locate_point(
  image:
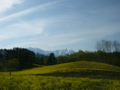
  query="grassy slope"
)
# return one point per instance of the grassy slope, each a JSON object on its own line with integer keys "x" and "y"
{"x": 70, "y": 67}
{"x": 81, "y": 68}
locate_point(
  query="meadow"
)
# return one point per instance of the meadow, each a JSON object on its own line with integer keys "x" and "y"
{"x": 81, "y": 75}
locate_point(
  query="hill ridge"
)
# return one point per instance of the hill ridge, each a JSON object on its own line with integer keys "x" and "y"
{"x": 70, "y": 66}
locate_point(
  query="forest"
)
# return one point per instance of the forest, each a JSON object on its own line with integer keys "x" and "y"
{"x": 20, "y": 58}
{"x": 16, "y": 58}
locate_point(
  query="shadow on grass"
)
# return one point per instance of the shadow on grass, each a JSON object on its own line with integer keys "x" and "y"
{"x": 88, "y": 74}
{"x": 28, "y": 67}
{"x": 21, "y": 68}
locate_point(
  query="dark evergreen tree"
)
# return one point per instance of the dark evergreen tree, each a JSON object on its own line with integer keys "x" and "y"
{"x": 52, "y": 59}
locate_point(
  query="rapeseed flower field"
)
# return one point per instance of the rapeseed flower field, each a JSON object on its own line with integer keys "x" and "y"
{"x": 32, "y": 82}
{"x": 80, "y": 75}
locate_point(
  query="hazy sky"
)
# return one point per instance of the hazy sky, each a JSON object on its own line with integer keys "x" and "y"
{"x": 58, "y": 24}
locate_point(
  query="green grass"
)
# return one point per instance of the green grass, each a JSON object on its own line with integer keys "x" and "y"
{"x": 69, "y": 66}
{"x": 81, "y": 75}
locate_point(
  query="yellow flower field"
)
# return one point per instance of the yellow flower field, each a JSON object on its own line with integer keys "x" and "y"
{"x": 58, "y": 77}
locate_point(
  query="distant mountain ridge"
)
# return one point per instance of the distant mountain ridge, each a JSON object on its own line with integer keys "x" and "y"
{"x": 56, "y": 52}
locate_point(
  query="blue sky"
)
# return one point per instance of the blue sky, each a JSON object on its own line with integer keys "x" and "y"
{"x": 58, "y": 24}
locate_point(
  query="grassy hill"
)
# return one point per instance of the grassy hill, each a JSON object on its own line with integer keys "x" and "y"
{"x": 80, "y": 75}
{"x": 79, "y": 68}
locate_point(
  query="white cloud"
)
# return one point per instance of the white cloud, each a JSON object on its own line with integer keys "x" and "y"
{"x": 27, "y": 11}
{"x": 8, "y": 4}
{"x": 21, "y": 29}
{"x": 2, "y": 37}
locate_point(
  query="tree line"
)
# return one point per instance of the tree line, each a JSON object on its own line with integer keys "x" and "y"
{"x": 107, "y": 52}
{"x": 19, "y": 58}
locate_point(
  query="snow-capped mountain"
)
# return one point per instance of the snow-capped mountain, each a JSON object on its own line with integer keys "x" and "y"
{"x": 56, "y": 52}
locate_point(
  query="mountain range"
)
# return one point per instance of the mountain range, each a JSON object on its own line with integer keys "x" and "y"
{"x": 57, "y": 53}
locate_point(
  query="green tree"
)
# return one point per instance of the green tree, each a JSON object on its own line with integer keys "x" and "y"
{"x": 5, "y": 63}
{"x": 46, "y": 61}
{"x": 15, "y": 63}
{"x": 1, "y": 65}
{"x": 11, "y": 63}
{"x": 60, "y": 59}
{"x": 52, "y": 59}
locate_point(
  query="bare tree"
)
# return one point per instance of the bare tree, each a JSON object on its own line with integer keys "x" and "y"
{"x": 108, "y": 46}
{"x": 116, "y": 46}
{"x": 98, "y": 46}
{"x": 104, "y": 46}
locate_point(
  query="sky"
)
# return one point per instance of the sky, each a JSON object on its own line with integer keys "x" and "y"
{"x": 58, "y": 24}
